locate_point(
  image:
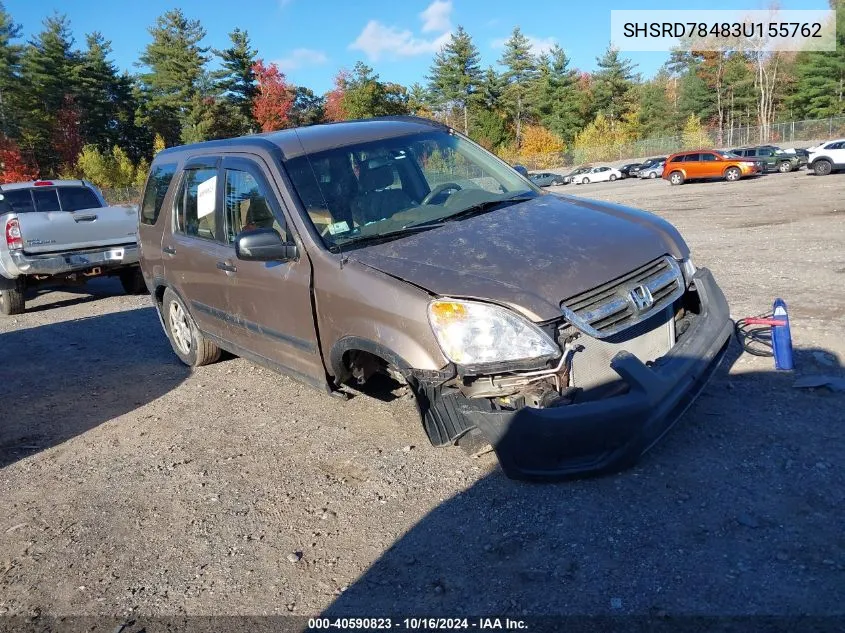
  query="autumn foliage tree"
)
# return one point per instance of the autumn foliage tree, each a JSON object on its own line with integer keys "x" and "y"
{"x": 334, "y": 98}
{"x": 67, "y": 140}
{"x": 13, "y": 168}
{"x": 273, "y": 101}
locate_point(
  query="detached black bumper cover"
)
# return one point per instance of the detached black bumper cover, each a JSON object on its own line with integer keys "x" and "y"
{"x": 610, "y": 434}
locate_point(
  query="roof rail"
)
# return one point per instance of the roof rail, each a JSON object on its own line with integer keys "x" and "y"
{"x": 410, "y": 118}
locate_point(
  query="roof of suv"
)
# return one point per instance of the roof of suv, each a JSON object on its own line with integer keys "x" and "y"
{"x": 295, "y": 142}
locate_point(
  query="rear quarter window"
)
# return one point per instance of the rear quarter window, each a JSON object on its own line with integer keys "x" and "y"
{"x": 78, "y": 198}
{"x": 157, "y": 185}
{"x": 16, "y": 201}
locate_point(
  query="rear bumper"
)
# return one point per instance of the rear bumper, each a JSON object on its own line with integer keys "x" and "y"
{"x": 610, "y": 434}
{"x": 59, "y": 263}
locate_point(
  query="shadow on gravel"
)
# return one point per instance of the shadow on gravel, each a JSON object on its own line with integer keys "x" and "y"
{"x": 738, "y": 511}
{"x": 93, "y": 290}
{"x": 64, "y": 378}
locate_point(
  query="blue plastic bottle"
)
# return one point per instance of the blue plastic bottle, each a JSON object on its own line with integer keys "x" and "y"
{"x": 781, "y": 337}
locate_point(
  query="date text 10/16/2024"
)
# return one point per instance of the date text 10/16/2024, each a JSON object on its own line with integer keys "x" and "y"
{"x": 417, "y": 624}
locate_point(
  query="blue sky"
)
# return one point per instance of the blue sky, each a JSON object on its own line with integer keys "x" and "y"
{"x": 311, "y": 39}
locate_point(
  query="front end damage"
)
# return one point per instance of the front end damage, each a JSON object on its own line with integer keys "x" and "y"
{"x": 623, "y": 378}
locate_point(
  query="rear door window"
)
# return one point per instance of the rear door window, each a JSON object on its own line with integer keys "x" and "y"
{"x": 77, "y": 198}
{"x": 195, "y": 207}
{"x": 157, "y": 185}
{"x": 692, "y": 158}
{"x": 46, "y": 200}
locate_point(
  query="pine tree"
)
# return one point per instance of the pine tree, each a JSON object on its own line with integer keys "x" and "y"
{"x": 49, "y": 68}
{"x": 456, "y": 74}
{"x": 491, "y": 89}
{"x": 558, "y": 95}
{"x": 820, "y": 85}
{"x": 175, "y": 61}
{"x": 10, "y": 58}
{"x": 520, "y": 73}
{"x": 99, "y": 92}
{"x": 236, "y": 79}
{"x": 612, "y": 84}
{"x": 655, "y": 110}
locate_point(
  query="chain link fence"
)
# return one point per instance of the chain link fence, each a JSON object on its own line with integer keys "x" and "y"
{"x": 122, "y": 195}
{"x": 784, "y": 134}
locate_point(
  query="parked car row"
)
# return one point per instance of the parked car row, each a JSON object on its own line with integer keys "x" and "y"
{"x": 729, "y": 164}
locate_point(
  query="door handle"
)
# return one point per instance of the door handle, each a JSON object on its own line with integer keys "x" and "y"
{"x": 168, "y": 250}
{"x": 227, "y": 267}
{"x": 84, "y": 218}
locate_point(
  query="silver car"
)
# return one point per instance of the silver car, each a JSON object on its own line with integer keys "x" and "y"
{"x": 652, "y": 171}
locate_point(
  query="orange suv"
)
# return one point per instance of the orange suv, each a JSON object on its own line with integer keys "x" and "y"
{"x": 701, "y": 164}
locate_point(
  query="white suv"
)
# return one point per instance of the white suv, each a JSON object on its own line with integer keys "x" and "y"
{"x": 827, "y": 157}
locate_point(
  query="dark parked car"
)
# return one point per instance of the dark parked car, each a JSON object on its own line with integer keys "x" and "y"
{"x": 546, "y": 179}
{"x": 627, "y": 168}
{"x": 649, "y": 162}
{"x": 570, "y": 334}
{"x": 771, "y": 158}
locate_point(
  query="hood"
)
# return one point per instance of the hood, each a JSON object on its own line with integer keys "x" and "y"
{"x": 530, "y": 255}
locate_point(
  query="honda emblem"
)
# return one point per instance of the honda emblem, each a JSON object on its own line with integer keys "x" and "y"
{"x": 640, "y": 298}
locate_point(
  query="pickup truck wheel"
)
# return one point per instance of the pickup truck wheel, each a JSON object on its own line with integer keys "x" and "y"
{"x": 12, "y": 301}
{"x": 187, "y": 341}
{"x": 785, "y": 168}
{"x": 133, "y": 281}
{"x": 822, "y": 167}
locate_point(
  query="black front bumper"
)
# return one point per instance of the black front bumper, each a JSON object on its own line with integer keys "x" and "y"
{"x": 611, "y": 434}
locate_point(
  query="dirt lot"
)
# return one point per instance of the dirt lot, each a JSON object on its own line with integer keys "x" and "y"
{"x": 131, "y": 485}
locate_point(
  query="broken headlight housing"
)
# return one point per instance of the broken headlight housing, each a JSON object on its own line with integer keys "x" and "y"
{"x": 475, "y": 333}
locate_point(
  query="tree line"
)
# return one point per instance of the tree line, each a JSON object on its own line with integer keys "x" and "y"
{"x": 67, "y": 110}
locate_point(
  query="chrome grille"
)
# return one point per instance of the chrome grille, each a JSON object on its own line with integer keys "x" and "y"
{"x": 612, "y": 307}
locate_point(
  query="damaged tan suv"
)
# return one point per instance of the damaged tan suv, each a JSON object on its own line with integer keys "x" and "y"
{"x": 569, "y": 334}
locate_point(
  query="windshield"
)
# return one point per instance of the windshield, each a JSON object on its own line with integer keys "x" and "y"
{"x": 364, "y": 191}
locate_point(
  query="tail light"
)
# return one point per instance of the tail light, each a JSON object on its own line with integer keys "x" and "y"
{"x": 43, "y": 183}
{"x": 14, "y": 240}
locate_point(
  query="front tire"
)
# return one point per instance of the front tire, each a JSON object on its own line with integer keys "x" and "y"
{"x": 187, "y": 341}
{"x": 133, "y": 281}
{"x": 12, "y": 301}
{"x": 785, "y": 168}
{"x": 676, "y": 178}
{"x": 585, "y": 181}
{"x": 612, "y": 177}
{"x": 732, "y": 174}
{"x": 822, "y": 167}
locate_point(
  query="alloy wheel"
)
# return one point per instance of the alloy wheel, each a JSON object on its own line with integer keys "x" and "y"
{"x": 180, "y": 327}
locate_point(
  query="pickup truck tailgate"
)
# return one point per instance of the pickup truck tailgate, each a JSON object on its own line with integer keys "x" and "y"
{"x": 53, "y": 231}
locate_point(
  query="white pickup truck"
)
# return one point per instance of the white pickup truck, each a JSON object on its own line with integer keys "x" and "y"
{"x": 62, "y": 231}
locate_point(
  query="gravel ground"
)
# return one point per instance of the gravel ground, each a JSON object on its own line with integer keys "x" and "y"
{"x": 130, "y": 485}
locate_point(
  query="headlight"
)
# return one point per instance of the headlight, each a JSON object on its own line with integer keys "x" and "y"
{"x": 473, "y": 333}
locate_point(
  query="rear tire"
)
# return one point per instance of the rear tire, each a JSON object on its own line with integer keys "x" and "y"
{"x": 612, "y": 177}
{"x": 822, "y": 167}
{"x": 676, "y": 178}
{"x": 12, "y": 301}
{"x": 133, "y": 281}
{"x": 187, "y": 341}
{"x": 732, "y": 174}
{"x": 653, "y": 175}
{"x": 785, "y": 168}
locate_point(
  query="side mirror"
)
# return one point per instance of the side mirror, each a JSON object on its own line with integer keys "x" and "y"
{"x": 264, "y": 245}
{"x": 521, "y": 169}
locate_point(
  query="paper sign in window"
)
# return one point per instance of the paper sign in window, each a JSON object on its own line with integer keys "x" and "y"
{"x": 205, "y": 197}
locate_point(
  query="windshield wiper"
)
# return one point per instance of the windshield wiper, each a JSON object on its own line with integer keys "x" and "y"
{"x": 381, "y": 237}
{"x": 484, "y": 207}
